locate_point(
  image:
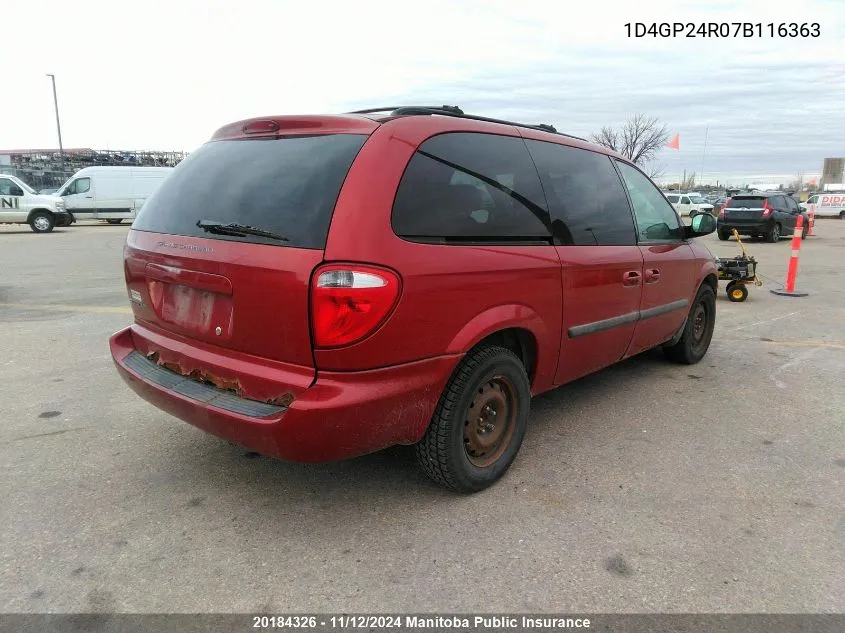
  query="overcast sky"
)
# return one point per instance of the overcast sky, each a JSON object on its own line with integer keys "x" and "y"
{"x": 164, "y": 75}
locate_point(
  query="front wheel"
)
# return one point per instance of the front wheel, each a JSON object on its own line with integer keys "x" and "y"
{"x": 479, "y": 422}
{"x": 737, "y": 292}
{"x": 698, "y": 331}
{"x": 41, "y": 222}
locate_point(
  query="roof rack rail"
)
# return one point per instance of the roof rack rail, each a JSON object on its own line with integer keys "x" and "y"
{"x": 455, "y": 111}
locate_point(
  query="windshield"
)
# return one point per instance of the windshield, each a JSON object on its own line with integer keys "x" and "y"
{"x": 751, "y": 202}
{"x": 276, "y": 187}
{"x": 25, "y": 186}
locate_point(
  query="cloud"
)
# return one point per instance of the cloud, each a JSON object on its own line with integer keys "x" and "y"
{"x": 165, "y": 75}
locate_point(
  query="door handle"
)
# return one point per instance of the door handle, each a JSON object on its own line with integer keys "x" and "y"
{"x": 652, "y": 275}
{"x": 89, "y": 197}
{"x": 631, "y": 278}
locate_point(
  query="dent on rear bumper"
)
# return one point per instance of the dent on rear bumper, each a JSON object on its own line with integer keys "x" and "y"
{"x": 342, "y": 415}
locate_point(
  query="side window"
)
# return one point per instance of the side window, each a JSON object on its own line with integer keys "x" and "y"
{"x": 685, "y": 200}
{"x": 586, "y": 198}
{"x": 82, "y": 185}
{"x": 9, "y": 188}
{"x": 673, "y": 199}
{"x": 469, "y": 186}
{"x": 656, "y": 220}
{"x": 779, "y": 203}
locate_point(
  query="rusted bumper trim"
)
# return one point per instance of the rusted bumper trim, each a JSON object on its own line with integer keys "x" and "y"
{"x": 201, "y": 392}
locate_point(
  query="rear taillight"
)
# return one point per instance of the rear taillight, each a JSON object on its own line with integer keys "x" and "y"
{"x": 724, "y": 207}
{"x": 348, "y": 302}
{"x": 767, "y": 208}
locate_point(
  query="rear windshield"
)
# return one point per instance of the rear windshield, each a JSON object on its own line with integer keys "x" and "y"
{"x": 755, "y": 202}
{"x": 288, "y": 186}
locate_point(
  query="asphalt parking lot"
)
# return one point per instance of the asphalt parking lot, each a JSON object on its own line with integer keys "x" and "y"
{"x": 648, "y": 487}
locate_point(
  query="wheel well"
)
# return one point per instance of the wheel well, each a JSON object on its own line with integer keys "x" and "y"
{"x": 712, "y": 281}
{"x": 521, "y": 342}
{"x": 34, "y": 211}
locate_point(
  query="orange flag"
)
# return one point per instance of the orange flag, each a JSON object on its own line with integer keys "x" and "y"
{"x": 675, "y": 143}
{"x": 812, "y": 181}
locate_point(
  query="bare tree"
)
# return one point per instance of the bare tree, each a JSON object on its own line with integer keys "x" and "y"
{"x": 797, "y": 183}
{"x": 689, "y": 183}
{"x": 639, "y": 139}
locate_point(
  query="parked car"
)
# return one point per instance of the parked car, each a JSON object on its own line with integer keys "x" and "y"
{"x": 826, "y": 205}
{"x": 768, "y": 215}
{"x": 687, "y": 205}
{"x": 110, "y": 193}
{"x": 410, "y": 276}
{"x": 20, "y": 204}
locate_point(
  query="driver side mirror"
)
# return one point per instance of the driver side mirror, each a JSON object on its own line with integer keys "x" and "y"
{"x": 702, "y": 224}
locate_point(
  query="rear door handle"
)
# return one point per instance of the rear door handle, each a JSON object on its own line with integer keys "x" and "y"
{"x": 652, "y": 275}
{"x": 631, "y": 278}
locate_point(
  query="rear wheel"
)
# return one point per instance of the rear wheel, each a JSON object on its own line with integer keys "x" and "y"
{"x": 724, "y": 235}
{"x": 805, "y": 230}
{"x": 698, "y": 331}
{"x": 842, "y": 215}
{"x": 479, "y": 422}
{"x": 41, "y": 222}
{"x": 774, "y": 234}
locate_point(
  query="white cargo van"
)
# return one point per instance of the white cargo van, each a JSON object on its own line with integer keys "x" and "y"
{"x": 831, "y": 205}
{"x": 20, "y": 204}
{"x": 110, "y": 193}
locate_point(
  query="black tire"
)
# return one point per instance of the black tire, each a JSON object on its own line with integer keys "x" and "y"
{"x": 41, "y": 222}
{"x": 698, "y": 331}
{"x": 842, "y": 215}
{"x": 692, "y": 214}
{"x": 490, "y": 379}
{"x": 804, "y": 230}
{"x": 724, "y": 236}
{"x": 114, "y": 221}
{"x": 774, "y": 234}
{"x": 736, "y": 292}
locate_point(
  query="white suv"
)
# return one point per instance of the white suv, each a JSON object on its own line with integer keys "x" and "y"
{"x": 21, "y": 204}
{"x": 689, "y": 204}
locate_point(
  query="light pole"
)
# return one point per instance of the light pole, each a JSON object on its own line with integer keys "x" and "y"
{"x": 58, "y": 125}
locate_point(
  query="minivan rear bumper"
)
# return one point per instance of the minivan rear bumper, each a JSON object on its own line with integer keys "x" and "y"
{"x": 342, "y": 415}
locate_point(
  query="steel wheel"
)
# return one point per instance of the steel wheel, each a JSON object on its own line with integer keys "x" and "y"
{"x": 41, "y": 223}
{"x": 490, "y": 422}
{"x": 480, "y": 421}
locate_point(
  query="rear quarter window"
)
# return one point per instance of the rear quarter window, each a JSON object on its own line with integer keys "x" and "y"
{"x": 288, "y": 186}
{"x": 471, "y": 187}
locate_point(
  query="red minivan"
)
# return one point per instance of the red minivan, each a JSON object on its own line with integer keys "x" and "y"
{"x": 319, "y": 287}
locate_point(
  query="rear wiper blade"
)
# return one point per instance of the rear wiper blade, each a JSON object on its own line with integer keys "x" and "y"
{"x": 235, "y": 228}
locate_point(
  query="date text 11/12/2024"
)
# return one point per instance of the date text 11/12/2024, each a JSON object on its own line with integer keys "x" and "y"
{"x": 723, "y": 29}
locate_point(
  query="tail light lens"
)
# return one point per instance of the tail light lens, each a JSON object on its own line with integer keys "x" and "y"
{"x": 349, "y": 302}
{"x": 767, "y": 208}
{"x": 724, "y": 207}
